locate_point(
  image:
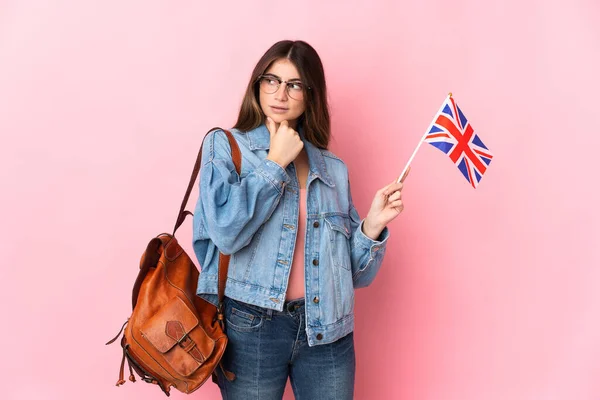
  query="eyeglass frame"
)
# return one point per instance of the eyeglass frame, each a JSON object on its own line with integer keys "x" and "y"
{"x": 278, "y": 79}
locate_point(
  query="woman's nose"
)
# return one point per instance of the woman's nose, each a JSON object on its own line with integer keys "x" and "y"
{"x": 281, "y": 93}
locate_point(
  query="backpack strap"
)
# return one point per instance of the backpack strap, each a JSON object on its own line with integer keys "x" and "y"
{"x": 236, "y": 156}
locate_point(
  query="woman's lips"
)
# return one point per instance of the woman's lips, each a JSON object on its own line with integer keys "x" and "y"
{"x": 279, "y": 110}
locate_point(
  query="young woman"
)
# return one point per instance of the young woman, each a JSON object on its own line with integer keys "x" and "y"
{"x": 298, "y": 246}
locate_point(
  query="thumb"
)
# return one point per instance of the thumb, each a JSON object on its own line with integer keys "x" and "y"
{"x": 271, "y": 126}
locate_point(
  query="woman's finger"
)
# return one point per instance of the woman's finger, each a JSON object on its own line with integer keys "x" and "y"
{"x": 391, "y": 188}
{"x": 395, "y": 196}
{"x": 396, "y": 204}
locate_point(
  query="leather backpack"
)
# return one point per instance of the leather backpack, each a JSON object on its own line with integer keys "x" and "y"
{"x": 173, "y": 337}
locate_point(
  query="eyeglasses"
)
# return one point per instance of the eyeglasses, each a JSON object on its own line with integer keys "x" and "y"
{"x": 270, "y": 84}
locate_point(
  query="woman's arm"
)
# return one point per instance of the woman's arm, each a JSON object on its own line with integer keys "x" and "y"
{"x": 369, "y": 237}
{"x": 229, "y": 210}
{"x": 366, "y": 253}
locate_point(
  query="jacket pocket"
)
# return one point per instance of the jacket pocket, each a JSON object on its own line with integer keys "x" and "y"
{"x": 339, "y": 235}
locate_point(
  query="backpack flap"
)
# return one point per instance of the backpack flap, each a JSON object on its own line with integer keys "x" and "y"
{"x": 175, "y": 333}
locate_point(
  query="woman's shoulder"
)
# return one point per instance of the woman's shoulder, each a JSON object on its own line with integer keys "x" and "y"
{"x": 335, "y": 166}
{"x": 218, "y": 140}
{"x": 216, "y": 144}
{"x": 329, "y": 154}
{"x": 218, "y": 133}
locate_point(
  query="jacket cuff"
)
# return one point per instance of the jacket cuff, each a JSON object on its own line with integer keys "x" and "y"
{"x": 374, "y": 246}
{"x": 274, "y": 173}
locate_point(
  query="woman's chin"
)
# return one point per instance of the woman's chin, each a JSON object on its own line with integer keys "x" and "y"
{"x": 279, "y": 118}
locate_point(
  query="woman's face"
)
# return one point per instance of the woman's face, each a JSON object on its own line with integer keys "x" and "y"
{"x": 283, "y": 103}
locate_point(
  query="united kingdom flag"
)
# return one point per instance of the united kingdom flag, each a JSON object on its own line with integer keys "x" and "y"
{"x": 452, "y": 133}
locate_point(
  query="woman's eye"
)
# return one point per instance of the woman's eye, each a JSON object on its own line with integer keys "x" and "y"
{"x": 296, "y": 86}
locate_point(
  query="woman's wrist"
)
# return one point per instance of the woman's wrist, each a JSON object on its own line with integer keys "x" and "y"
{"x": 282, "y": 165}
{"x": 371, "y": 230}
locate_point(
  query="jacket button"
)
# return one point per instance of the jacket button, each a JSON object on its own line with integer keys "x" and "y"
{"x": 315, "y": 262}
{"x": 319, "y": 336}
{"x": 316, "y": 224}
{"x": 316, "y": 300}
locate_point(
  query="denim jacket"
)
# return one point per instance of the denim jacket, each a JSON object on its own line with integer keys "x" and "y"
{"x": 254, "y": 217}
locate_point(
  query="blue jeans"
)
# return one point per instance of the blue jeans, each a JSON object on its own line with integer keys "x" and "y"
{"x": 266, "y": 346}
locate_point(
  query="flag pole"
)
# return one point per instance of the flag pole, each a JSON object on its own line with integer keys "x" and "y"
{"x": 407, "y": 166}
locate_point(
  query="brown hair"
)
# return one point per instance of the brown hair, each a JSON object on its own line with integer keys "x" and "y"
{"x": 315, "y": 119}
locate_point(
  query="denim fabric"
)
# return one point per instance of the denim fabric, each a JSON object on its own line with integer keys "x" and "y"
{"x": 267, "y": 346}
{"x": 254, "y": 217}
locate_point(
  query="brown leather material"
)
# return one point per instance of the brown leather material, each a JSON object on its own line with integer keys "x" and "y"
{"x": 229, "y": 375}
{"x": 175, "y": 330}
{"x": 174, "y": 338}
{"x": 223, "y": 260}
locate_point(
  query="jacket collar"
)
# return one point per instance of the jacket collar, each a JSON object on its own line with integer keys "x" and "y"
{"x": 260, "y": 139}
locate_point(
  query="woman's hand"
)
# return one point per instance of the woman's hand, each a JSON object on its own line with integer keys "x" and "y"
{"x": 386, "y": 206}
{"x": 285, "y": 143}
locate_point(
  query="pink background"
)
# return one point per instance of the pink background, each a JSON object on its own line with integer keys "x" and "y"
{"x": 484, "y": 294}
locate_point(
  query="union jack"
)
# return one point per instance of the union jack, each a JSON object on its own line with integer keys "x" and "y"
{"x": 452, "y": 133}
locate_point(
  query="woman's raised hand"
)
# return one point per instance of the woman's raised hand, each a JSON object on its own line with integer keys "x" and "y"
{"x": 387, "y": 205}
{"x": 285, "y": 143}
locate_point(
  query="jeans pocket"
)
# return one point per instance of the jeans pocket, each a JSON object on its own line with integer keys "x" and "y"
{"x": 241, "y": 318}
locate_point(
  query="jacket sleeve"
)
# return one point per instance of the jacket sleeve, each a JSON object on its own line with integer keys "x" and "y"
{"x": 366, "y": 253}
{"x": 230, "y": 210}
